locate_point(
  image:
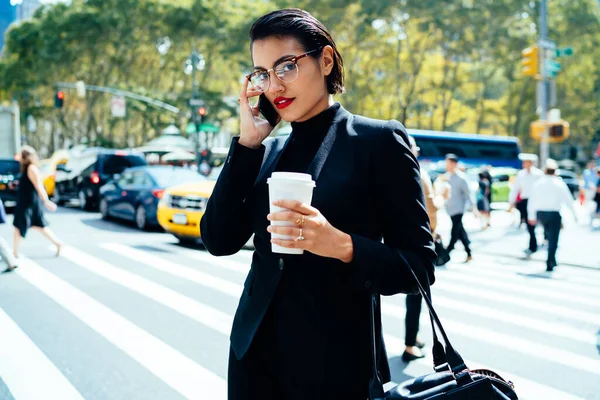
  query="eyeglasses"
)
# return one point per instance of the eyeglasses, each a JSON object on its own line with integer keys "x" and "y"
{"x": 286, "y": 71}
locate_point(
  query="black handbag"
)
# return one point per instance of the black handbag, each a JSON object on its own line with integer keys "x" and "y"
{"x": 452, "y": 379}
{"x": 443, "y": 256}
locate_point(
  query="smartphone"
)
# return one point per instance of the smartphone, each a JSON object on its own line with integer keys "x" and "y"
{"x": 267, "y": 110}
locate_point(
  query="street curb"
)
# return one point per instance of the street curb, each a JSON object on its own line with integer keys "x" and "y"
{"x": 524, "y": 259}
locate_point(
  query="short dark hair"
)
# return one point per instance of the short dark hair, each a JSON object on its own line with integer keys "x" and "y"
{"x": 308, "y": 31}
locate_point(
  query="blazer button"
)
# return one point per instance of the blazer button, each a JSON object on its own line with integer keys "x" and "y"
{"x": 368, "y": 284}
{"x": 281, "y": 263}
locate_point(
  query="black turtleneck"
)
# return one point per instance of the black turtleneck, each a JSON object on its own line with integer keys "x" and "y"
{"x": 305, "y": 140}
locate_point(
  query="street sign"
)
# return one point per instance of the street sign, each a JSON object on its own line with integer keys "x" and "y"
{"x": 547, "y": 44}
{"x": 552, "y": 68}
{"x": 195, "y": 102}
{"x": 117, "y": 107}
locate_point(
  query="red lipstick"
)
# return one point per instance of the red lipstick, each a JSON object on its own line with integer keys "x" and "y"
{"x": 282, "y": 102}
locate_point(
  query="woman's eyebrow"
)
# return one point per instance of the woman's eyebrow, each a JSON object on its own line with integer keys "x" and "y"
{"x": 276, "y": 61}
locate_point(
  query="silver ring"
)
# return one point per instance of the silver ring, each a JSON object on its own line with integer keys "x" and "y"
{"x": 300, "y": 237}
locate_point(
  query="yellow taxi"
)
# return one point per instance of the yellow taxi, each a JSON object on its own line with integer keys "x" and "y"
{"x": 182, "y": 207}
{"x": 48, "y": 169}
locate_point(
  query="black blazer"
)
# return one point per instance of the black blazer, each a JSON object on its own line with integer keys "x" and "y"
{"x": 367, "y": 185}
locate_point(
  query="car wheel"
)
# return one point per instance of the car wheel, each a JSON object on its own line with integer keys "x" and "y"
{"x": 83, "y": 200}
{"x": 104, "y": 209}
{"x": 141, "y": 218}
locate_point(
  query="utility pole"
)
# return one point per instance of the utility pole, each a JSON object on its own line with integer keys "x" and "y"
{"x": 194, "y": 63}
{"x": 544, "y": 84}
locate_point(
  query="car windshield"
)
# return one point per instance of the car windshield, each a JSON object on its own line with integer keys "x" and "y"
{"x": 166, "y": 177}
{"x": 9, "y": 167}
{"x": 115, "y": 164}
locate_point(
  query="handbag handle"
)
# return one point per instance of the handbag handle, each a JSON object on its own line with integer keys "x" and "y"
{"x": 451, "y": 356}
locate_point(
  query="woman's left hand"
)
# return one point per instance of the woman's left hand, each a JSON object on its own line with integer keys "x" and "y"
{"x": 320, "y": 237}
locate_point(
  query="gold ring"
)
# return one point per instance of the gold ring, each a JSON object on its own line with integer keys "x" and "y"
{"x": 301, "y": 221}
{"x": 300, "y": 237}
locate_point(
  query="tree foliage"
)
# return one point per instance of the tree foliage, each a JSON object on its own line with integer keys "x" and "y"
{"x": 452, "y": 65}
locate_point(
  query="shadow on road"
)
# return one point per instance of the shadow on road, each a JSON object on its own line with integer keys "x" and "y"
{"x": 120, "y": 226}
{"x": 397, "y": 366}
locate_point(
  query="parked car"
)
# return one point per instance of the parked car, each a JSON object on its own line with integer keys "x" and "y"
{"x": 84, "y": 175}
{"x": 571, "y": 179}
{"x": 10, "y": 173}
{"x": 135, "y": 194}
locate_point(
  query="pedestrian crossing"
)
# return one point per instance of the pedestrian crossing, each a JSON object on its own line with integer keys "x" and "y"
{"x": 165, "y": 312}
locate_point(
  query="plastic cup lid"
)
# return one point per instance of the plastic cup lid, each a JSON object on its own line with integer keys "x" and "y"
{"x": 291, "y": 177}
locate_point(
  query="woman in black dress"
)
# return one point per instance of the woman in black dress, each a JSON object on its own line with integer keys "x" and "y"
{"x": 32, "y": 197}
{"x": 301, "y": 330}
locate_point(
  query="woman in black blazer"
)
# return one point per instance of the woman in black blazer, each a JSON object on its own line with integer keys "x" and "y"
{"x": 301, "y": 330}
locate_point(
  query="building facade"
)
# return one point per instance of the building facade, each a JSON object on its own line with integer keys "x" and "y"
{"x": 13, "y": 11}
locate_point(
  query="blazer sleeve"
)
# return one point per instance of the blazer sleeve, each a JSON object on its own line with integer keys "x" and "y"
{"x": 402, "y": 217}
{"x": 227, "y": 225}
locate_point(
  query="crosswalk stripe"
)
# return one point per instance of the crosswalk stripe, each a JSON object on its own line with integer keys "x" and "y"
{"x": 185, "y": 376}
{"x": 175, "y": 269}
{"x": 199, "y": 312}
{"x": 546, "y": 328}
{"x": 553, "y": 284}
{"x": 509, "y": 342}
{"x": 522, "y": 289}
{"x": 525, "y": 388}
{"x": 445, "y": 302}
{"x": 524, "y": 346}
{"x": 564, "y": 312}
{"x": 574, "y": 274}
{"x": 26, "y": 370}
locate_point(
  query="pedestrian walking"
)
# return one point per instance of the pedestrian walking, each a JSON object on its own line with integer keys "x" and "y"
{"x": 522, "y": 188}
{"x": 590, "y": 181}
{"x": 5, "y": 251}
{"x": 32, "y": 197}
{"x": 413, "y": 344}
{"x": 302, "y": 323}
{"x": 483, "y": 199}
{"x": 548, "y": 195}
{"x": 459, "y": 201}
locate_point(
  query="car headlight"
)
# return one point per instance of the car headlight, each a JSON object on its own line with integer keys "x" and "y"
{"x": 166, "y": 199}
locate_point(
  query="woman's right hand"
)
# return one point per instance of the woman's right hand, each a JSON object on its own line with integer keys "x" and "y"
{"x": 50, "y": 206}
{"x": 253, "y": 129}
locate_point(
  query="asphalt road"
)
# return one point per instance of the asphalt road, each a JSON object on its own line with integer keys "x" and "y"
{"x": 124, "y": 314}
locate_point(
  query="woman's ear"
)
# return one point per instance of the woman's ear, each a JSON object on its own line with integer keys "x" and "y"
{"x": 327, "y": 60}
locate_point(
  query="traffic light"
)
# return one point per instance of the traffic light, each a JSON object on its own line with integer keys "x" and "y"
{"x": 202, "y": 111}
{"x": 59, "y": 99}
{"x": 205, "y": 154}
{"x": 530, "y": 61}
{"x": 557, "y": 131}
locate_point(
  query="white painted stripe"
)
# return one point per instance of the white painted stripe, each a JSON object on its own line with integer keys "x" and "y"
{"x": 564, "y": 312}
{"x": 512, "y": 343}
{"x": 521, "y": 289}
{"x": 208, "y": 316}
{"x": 525, "y": 388}
{"x": 551, "y": 282}
{"x": 544, "y": 327}
{"x": 574, "y": 274}
{"x": 164, "y": 265}
{"x": 178, "y": 371}
{"x": 27, "y": 372}
{"x": 223, "y": 262}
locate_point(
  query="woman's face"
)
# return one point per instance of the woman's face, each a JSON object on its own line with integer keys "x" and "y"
{"x": 307, "y": 96}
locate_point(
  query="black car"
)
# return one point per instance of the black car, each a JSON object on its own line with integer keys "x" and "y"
{"x": 84, "y": 174}
{"x": 10, "y": 173}
{"x": 570, "y": 178}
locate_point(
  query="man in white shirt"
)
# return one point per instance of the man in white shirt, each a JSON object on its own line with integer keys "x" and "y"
{"x": 521, "y": 191}
{"x": 548, "y": 195}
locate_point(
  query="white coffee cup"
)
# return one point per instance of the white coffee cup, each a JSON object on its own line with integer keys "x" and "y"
{"x": 288, "y": 186}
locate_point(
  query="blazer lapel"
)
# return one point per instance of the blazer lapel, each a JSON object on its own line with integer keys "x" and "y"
{"x": 271, "y": 159}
